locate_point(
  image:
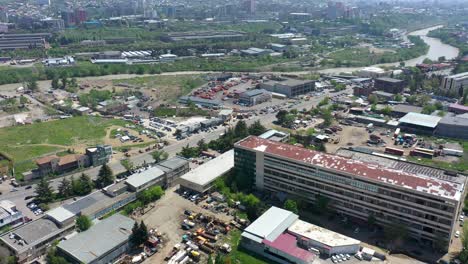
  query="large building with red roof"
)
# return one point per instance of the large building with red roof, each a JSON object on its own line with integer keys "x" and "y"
{"x": 427, "y": 205}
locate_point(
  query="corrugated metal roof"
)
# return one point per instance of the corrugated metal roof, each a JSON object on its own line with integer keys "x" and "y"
{"x": 211, "y": 170}
{"x": 60, "y": 214}
{"x": 271, "y": 224}
{"x": 100, "y": 239}
{"x": 322, "y": 235}
{"x": 420, "y": 120}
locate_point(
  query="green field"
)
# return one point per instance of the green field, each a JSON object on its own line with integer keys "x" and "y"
{"x": 25, "y": 143}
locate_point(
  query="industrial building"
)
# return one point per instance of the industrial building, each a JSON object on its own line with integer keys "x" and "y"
{"x": 201, "y": 179}
{"x": 280, "y": 236}
{"x": 9, "y": 214}
{"x": 101, "y": 243}
{"x": 275, "y": 135}
{"x": 23, "y": 41}
{"x": 400, "y": 110}
{"x": 254, "y": 97}
{"x": 429, "y": 206}
{"x": 455, "y": 83}
{"x": 215, "y": 104}
{"x": 389, "y": 85}
{"x": 371, "y": 72}
{"x": 173, "y": 168}
{"x": 256, "y": 52}
{"x": 33, "y": 239}
{"x": 419, "y": 123}
{"x": 288, "y": 86}
{"x": 142, "y": 180}
{"x": 206, "y": 35}
{"x": 453, "y": 126}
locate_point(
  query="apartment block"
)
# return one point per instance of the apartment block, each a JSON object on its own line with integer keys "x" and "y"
{"x": 426, "y": 204}
{"x": 456, "y": 83}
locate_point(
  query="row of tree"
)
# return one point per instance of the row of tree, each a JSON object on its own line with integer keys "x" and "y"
{"x": 73, "y": 187}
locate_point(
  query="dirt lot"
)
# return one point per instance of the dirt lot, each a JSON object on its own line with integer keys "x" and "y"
{"x": 167, "y": 216}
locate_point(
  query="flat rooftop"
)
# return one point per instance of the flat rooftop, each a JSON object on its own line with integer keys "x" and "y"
{"x": 270, "y": 224}
{"x": 173, "y": 163}
{"x": 320, "y": 234}
{"x": 405, "y": 166}
{"x": 211, "y": 170}
{"x": 31, "y": 234}
{"x": 289, "y": 82}
{"x": 140, "y": 179}
{"x": 94, "y": 202}
{"x": 420, "y": 120}
{"x": 387, "y": 79}
{"x": 99, "y": 240}
{"x": 369, "y": 171}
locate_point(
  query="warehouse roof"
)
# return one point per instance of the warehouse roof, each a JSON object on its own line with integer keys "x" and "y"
{"x": 254, "y": 92}
{"x": 208, "y": 172}
{"x": 363, "y": 169}
{"x": 100, "y": 239}
{"x": 287, "y": 243}
{"x": 387, "y": 79}
{"x": 458, "y": 120}
{"x": 140, "y": 179}
{"x": 270, "y": 224}
{"x": 173, "y": 163}
{"x": 420, "y": 120}
{"x": 322, "y": 235}
{"x": 60, "y": 214}
{"x": 404, "y": 108}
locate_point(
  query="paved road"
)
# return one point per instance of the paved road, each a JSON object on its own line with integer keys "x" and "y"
{"x": 18, "y": 197}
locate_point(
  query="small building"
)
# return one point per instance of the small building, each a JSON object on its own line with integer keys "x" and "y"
{"x": 288, "y": 86}
{"x": 278, "y": 47}
{"x": 254, "y": 97}
{"x": 173, "y": 169}
{"x": 383, "y": 96}
{"x": 215, "y": 104}
{"x": 99, "y": 155}
{"x": 256, "y": 52}
{"x": 275, "y": 135}
{"x": 102, "y": 243}
{"x": 401, "y": 110}
{"x": 389, "y": 85}
{"x": 363, "y": 90}
{"x": 167, "y": 57}
{"x": 225, "y": 114}
{"x": 9, "y": 214}
{"x": 54, "y": 164}
{"x": 419, "y": 123}
{"x": 458, "y": 108}
{"x": 201, "y": 179}
{"x": 371, "y": 72}
{"x": 145, "y": 179}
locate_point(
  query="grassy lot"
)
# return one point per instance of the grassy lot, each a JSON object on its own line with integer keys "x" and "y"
{"x": 167, "y": 87}
{"x": 25, "y": 143}
{"x": 239, "y": 255}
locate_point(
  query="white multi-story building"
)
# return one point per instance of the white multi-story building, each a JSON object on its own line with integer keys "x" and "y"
{"x": 456, "y": 83}
{"x": 9, "y": 214}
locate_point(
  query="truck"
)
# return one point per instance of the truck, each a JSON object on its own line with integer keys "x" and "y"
{"x": 394, "y": 151}
{"x": 210, "y": 237}
{"x": 206, "y": 249}
{"x": 452, "y": 152}
{"x": 225, "y": 248}
{"x": 189, "y": 223}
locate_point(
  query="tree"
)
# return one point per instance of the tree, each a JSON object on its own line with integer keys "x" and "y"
{"x": 321, "y": 204}
{"x": 464, "y": 239}
{"x": 202, "y": 146}
{"x": 65, "y": 188}
{"x": 83, "y": 185}
{"x": 241, "y": 130}
{"x": 257, "y": 128}
{"x": 219, "y": 259}
{"x": 465, "y": 95}
{"x": 32, "y": 84}
{"x": 44, "y": 191}
{"x": 327, "y": 117}
{"x": 396, "y": 234}
{"x": 159, "y": 155}
{"x": 210, "y": 259}
{"x": 291, "y": 205}
{"x": 55, "y": 83}
{"x": 387, "y": 110}
{"x": 105, "y": 177}
{"x": 64, "y": 82}
{"x": 83, "y": 223}
{"x": 281, "y": 115}
{"x": 373, "y": 99}
{"x": 23, "y": 100}
{"x": 139, "y": 234}
{"x": 371, "y": 220}
{"x": 398, "y": 97}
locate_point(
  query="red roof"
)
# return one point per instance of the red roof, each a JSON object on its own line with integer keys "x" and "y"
{"x": 369, "y": 171}
{"x": 459, "y": 107}
{"x": 287, "y": 243}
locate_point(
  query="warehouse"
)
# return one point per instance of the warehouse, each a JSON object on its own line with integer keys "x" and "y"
{"x": 280, "y": 236}
{"x": 288, "y": 86}
{"x": 102, "y": 243}
{"x": 173, "y": 169}
{"x": 453, "y": 126}
{"x": 326, "y": 241}
{"x": 254, "y": 97}
{"x": 419, "y": 123}
{"x": 215, "y": 104}
{"x": 201, "y": 179}
{"x": 389, "y": 85}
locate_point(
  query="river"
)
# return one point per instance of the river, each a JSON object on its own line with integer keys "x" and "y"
{"x": 436, "y": 49}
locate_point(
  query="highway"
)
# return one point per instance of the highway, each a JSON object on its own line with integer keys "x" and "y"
{"x": 18, "y": 197}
